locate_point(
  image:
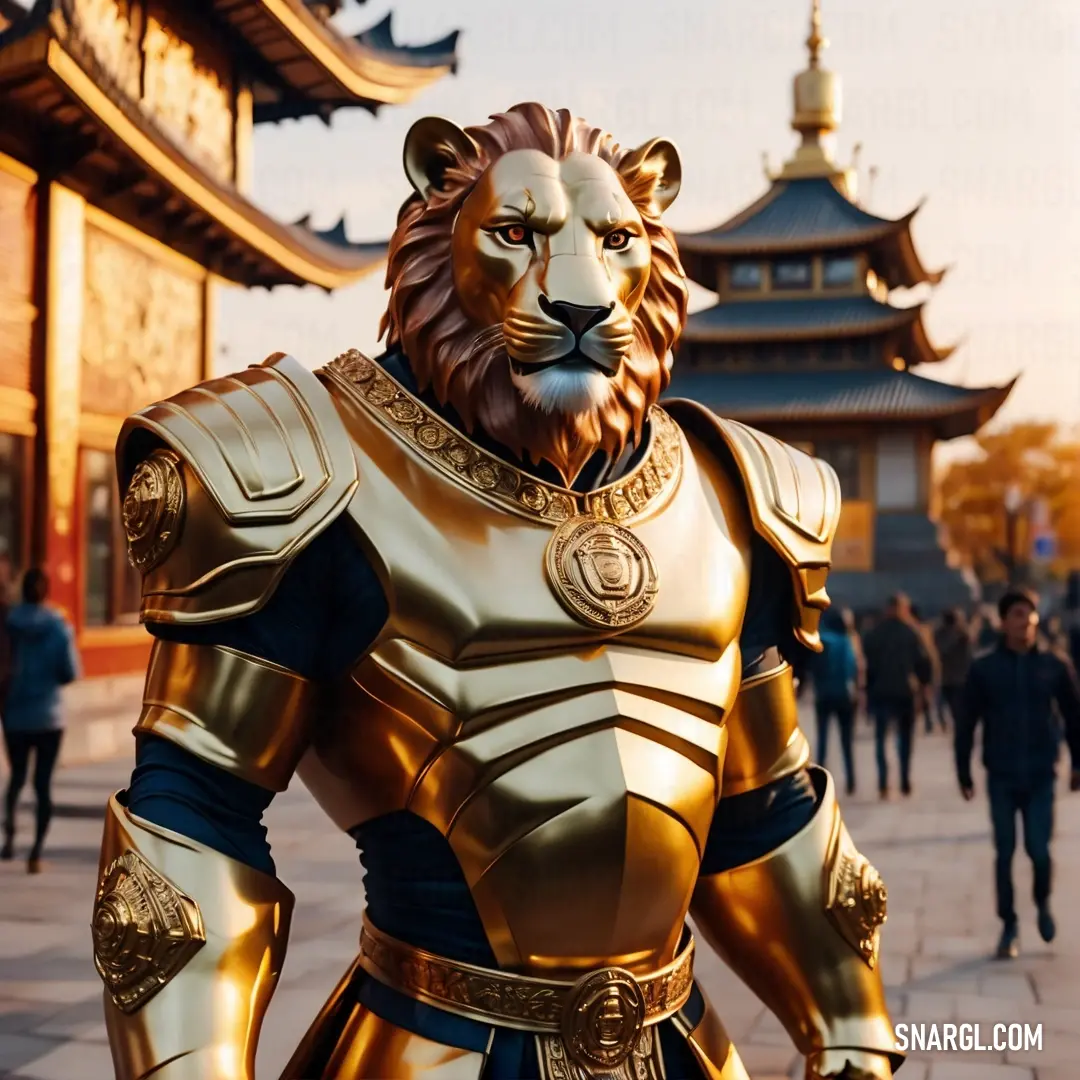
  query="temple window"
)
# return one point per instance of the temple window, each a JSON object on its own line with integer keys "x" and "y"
{"x": 745, "y": 276}
{"x": 838, "y": 272}
{"x": 792, "y": 274}
{"x": 111, "y": 586}
{"x": 845, "y": 458}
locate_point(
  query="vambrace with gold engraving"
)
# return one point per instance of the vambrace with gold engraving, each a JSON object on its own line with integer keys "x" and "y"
{"x": 800, "y": 926}
{"x": 189, "y": 944}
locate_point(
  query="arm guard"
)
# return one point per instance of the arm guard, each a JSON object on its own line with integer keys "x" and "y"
{"x": 800, "y": 927}
{"x": 186, "y": 980}
{"x": 765, "y": 742}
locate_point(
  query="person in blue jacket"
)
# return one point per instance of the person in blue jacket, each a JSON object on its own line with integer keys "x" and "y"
{"x": 835, "y": 672}
{"x": 43, "y": 658}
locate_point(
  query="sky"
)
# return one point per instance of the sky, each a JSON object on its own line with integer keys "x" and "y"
{"x": 972, "y": 105}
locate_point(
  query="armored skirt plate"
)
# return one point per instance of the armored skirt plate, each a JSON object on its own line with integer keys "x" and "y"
{"x": 601, "y": 573}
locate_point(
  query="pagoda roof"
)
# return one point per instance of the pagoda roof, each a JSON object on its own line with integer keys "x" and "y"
{"x": 812, "y": 319}
{"x": 319, "y": 69}
{"x": 808, "y": 215}
{"x": 63, "y": 114}
{"x": 841, "y": 396}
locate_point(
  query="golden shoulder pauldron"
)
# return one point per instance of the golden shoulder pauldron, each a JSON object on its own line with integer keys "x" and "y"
{"x": 225, "y": 483}
{"x": 794, "y": 501}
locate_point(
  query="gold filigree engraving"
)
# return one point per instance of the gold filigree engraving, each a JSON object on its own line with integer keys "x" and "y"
{"x": 153, "y": 509}
{"x": 603, "y": 1019}
{"x": 601, "y": 573}
{"x": 645, "y": 487}
{"x": 144, "y": 929}
{"x": 521, "y": 1001}
{"x": 644, "y": 1063}
{"x": 857, "y": 899}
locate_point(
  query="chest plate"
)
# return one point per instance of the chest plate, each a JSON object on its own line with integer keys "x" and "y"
{"x": 572, "y": 758}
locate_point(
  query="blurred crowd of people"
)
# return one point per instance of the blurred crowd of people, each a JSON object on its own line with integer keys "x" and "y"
{"x": 1001, "y": 670}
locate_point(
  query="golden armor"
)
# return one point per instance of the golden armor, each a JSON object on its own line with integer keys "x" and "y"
{"x": 558, "y": 690}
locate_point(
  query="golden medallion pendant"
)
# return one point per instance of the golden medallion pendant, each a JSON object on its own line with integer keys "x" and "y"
{"x": 603, "y": 1020}
{"x": 601, "y": 573}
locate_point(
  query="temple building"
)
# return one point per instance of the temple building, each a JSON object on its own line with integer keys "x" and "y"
{"x": 807, "y": 342}
{"x": 125, "y": 167}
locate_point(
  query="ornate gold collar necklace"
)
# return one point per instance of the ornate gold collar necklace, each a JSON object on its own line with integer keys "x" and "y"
{"x": 599, "y": 570}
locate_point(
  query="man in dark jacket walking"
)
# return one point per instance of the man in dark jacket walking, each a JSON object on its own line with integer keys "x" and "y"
{"x": 898, "y": 672}
{"x": 1013, "y": 691}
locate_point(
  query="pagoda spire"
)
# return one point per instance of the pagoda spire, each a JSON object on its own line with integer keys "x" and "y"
{"x": 817, "y": 115}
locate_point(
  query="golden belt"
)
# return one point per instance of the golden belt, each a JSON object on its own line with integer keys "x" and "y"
{"x": 600, "y": 1017}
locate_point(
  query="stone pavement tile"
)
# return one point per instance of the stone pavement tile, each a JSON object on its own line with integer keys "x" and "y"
{"x": 19, "y": 938}
{"x": 953, "y": 947}
{"x": 1057, "y": 1049}
{"x": 762, "y": 1059}
{"x": 47, "y": 992}
{"x": 1013, "y": 987}
{"x": 915, "y": 1069}
{"x": 18, "y": 1051}
{"x": 930, "y": 1007}
{"x": 82, "y": 1021}
{"x": 72, "y": 1061}
{"x": 970, "y": 1070}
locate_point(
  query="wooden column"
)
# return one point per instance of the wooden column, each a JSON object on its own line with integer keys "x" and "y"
{"x": 63, "y": 318}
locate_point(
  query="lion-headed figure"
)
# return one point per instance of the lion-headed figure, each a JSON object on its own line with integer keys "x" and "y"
{"x": 533, "y": 286}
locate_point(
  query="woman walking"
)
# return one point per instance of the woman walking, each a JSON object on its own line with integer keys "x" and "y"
{"x": 836, "y": 671}
{"x": 43, "y": 659}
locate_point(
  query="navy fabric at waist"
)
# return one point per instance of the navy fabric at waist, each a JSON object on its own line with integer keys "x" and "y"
{"x": 416, "y": 890}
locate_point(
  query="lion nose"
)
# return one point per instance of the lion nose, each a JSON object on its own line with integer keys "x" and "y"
{"x": 578, "y": 318}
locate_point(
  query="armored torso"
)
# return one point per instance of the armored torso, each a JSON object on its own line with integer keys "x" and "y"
{"x": 551, "y": 686}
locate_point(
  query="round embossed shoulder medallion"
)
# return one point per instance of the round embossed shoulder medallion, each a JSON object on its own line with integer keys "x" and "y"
{"x": 153, "y": 509}
{"x": 601, "y": 573}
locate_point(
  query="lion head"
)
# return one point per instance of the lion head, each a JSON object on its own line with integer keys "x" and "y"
{"x": 532, "y": 284}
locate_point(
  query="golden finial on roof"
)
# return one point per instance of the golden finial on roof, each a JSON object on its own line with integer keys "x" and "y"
{"x": 816, "y": 42}
{"x": 817, "y": 114}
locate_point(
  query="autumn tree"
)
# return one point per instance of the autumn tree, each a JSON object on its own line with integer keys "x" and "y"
{"x": 1043, "y": 462}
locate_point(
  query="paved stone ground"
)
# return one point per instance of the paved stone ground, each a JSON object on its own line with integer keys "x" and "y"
{"x": 933, "y": 851}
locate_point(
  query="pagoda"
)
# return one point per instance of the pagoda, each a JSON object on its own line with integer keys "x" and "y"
{"x": 806, "y": 341}
{"x": 125, "y": 171}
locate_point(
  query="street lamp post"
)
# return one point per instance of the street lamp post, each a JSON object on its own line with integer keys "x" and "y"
{"x": 1014, "y": 502}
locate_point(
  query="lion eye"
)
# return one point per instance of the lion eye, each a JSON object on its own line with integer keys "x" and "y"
{"x": 515, "y": 235}
{"x": 617, "y": 239}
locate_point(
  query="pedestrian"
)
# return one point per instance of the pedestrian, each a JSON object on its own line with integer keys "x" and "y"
{"x": 1012, "y": 691}
{"x": 898, "y": 675}
{"x": 43, "y": 659}
{"x": 835, "y": 673}
{"x": 926, "y": 699}
{"x": 954, "y": 645}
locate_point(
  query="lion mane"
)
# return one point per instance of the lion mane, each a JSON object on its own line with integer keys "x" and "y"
{"x": 466, "y": 366}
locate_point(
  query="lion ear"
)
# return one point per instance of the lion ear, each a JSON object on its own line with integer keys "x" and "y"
{"x": 432, "y": 145}
{"x": 657, "y": 160}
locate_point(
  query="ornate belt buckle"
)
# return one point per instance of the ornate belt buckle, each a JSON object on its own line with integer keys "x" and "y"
{"x": 603, "y": 1018}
